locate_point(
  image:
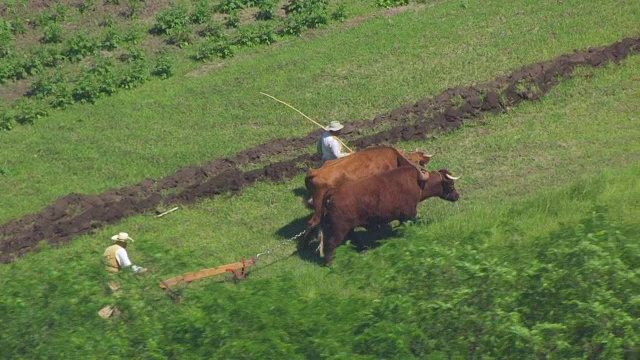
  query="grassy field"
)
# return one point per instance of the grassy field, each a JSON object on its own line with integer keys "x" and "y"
{"x": 535, "y": 179}
{"x": 149, "y": 132}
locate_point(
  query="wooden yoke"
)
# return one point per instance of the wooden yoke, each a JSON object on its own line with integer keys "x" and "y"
{"x": 196, "y": 275}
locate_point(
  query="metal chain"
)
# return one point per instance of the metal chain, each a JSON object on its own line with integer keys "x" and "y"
{"x": 281, "y": 244}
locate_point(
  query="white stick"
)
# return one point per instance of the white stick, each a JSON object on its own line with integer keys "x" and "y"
{"x": 166, "y": 212}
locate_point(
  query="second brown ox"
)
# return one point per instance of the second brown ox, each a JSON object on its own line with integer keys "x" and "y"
{"x": 351, "y": 168}
{"x": 380, "y": 199}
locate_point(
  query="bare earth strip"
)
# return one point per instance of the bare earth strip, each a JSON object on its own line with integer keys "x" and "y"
{"x": 78, "y": 214}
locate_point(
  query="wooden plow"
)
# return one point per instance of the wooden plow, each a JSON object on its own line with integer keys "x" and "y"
{"x": 239, "y": 271}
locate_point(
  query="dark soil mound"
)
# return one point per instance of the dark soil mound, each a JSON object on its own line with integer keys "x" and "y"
{"x": 77, "y": 214}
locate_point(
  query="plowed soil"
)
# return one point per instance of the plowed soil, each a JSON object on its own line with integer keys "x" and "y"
{"x": 78, "y": 214}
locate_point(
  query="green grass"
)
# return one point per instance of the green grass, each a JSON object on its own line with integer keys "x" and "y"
{"x": 532, "y": 177}
{"x": 572, "y": 168}
{"x": 338, "y": 74}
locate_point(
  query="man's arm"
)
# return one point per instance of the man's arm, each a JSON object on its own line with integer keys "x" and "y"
{"x": 123, "y": 260}
{"x": 336, "y": 147}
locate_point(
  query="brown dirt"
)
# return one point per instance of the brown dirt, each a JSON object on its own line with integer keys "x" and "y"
{"x": 78, "y": 214}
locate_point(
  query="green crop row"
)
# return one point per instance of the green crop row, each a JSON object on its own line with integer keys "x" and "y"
{"x": 82, "y": 45}
{"x": 57, "y": 91}
{"x": 177, "y": 24}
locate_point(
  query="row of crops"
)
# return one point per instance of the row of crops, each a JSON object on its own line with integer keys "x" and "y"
{"x": 64, "y": 66}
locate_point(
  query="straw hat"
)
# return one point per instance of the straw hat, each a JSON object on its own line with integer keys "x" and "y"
{"x": 123, "y": 236}
{"x": 334, "y": 126}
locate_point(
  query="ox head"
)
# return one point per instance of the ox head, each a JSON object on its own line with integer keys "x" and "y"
{"x": 448, "y": 185}
{"x": 441, "y": 183}
{"x": 419, "y": 158}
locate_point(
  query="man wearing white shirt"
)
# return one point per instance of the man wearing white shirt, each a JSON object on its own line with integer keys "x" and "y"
{"x": 117, "y": 257}
{"x": 329, "y": 145}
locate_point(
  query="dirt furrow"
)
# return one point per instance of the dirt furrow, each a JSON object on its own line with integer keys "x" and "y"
{"x": 78, "y": 214}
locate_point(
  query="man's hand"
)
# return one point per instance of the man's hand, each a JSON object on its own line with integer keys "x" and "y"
{"x": 138, "y": 269}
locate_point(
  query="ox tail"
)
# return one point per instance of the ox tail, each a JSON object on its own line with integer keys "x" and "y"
{"x": 325, "y": 200}
{"x": 317, "y": 218}
{"x": 308, "y": 183}
{"x": 320, "y": 248}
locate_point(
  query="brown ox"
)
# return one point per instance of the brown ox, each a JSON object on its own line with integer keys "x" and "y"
{"x": 356, "y": 166}
{"x": 380, "y": 199}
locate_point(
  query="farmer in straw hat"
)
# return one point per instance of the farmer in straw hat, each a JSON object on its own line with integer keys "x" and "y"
{"x": 116, "y": 259}
{"x": 329, "y": 145}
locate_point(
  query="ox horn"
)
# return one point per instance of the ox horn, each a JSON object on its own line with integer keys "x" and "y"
{"x": 427, "y": 155}
{"x": 453, "y": 177}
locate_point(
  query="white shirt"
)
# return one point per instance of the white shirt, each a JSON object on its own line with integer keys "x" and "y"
{"x": 123, "y": 260}
{"x": 330, "y": 146}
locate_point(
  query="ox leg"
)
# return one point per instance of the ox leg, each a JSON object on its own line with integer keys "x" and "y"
{"x": 317, "y": 215}
{"x": 413, "y": 213}
{"x": 409, "y": 214}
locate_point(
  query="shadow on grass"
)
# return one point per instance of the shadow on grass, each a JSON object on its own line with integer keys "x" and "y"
{"x": 360, "y": 239}
{"x": 294, "y": 227}
{"x": 301, "y": 192}
{"x": 306, "y": 251}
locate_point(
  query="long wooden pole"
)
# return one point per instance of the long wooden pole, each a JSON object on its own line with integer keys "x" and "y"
{"x": 195, "y": 275}
{"x": 306, "y": 117}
